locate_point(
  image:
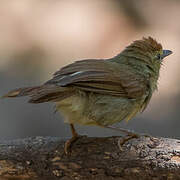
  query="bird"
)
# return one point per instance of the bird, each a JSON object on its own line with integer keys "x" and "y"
{"x": 102, "y": 92}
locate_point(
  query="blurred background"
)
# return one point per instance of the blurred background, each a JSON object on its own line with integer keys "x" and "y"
{"x": 37, "y": 37}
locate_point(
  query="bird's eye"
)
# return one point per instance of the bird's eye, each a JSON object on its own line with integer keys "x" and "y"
{"x": 159, "y": 56}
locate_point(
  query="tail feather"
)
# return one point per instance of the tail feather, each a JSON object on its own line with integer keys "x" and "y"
{"x": 40, "y": 94}
{"x": 21, "y": 92}
{"x": 47, "y": 94}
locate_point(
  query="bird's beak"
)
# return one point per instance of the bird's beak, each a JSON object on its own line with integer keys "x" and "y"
{"x": 166, "y": 53}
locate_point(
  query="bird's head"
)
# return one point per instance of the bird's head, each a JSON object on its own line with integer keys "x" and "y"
{"x": 147, "y": 50}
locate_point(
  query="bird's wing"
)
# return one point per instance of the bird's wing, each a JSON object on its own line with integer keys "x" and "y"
{"x": 101, "y": 76}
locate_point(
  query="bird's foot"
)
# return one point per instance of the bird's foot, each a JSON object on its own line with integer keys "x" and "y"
{"x": 130, "y": 136}
{"x": 123, "y": 140}
{"x": 69, "y": 142}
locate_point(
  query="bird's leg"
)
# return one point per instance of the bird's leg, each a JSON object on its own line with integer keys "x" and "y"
{"x": 69, "y": 142}
{"x": 130, "y": 134}
{"x": 126, "y": 131}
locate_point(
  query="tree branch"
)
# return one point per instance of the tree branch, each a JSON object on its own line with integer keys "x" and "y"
{"x": 94, "y": 158}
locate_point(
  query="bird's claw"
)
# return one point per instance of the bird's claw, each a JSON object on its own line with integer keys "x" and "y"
{"x": 68, "y": 144}
{"x": 123, "y": 140}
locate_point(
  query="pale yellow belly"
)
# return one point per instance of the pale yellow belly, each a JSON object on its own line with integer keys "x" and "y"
{"x": 73, "y": 109}
{"x": 97, "y": 109}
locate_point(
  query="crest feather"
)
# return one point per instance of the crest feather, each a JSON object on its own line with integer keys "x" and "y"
{"x": 147, "y": 44}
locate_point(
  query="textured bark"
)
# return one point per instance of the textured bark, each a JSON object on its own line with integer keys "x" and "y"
{"x": 91, "y": 158}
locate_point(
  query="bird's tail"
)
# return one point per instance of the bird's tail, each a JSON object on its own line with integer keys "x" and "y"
{"x": 40, "y": 94}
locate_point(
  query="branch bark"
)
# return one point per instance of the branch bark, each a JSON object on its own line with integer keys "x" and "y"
{"x": 145, "y": 158}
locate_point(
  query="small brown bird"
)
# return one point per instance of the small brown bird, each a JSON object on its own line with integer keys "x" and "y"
{"x": 102, "y": 92}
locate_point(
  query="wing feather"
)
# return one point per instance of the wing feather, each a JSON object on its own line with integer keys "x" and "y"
{"x": 102, "y": 76}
